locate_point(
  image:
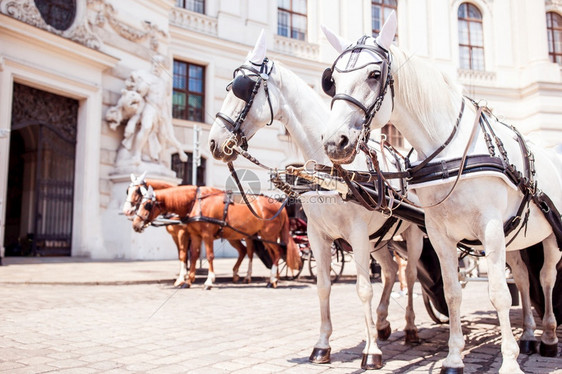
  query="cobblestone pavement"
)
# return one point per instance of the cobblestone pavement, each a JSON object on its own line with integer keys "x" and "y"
{"x": 142, "y": 326}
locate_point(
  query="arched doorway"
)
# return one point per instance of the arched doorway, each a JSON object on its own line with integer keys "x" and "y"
{"x": 41, "y": 173}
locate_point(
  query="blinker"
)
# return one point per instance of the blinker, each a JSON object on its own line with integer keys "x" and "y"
{"x": 328, "y": 84}
{"x": 242, "y": 87}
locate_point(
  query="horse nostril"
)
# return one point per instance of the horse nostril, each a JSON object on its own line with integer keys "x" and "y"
{"x": 343, "y": 141}
{"x": 212, "y": 145}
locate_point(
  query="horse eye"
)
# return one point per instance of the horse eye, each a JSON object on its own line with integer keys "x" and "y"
{"x": 375, "y": 74}
{"x": 148, "y": 206}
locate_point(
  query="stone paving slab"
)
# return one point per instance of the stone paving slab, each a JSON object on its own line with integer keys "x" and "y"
{"x": 233, "y": 328}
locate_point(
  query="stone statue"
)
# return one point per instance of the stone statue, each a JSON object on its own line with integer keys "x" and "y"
{"x": 145, "y": 105}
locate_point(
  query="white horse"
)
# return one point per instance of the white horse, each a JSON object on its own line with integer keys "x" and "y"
{"x": 424, "y": 105}
{"x": 291, "y": 101}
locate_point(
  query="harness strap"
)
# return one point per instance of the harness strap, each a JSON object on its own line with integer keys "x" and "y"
{"x": 446, "y": 143}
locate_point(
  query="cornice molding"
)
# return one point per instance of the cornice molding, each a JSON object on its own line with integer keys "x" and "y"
{"x": 95, "y": 13}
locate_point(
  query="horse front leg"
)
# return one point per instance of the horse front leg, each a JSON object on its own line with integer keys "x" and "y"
{"x": 388, "y": 270}
{"x": 549, "y": 340}
{"x": 414, "y": 241}
{"x": 210, "y": 282}
{"x": 321, "y": 250}
{"x": 494, "y": 244}
{"x": 527, "y": 341}
{"x": 175, "y": 233}
{"x": 372, "y": 355}
{"x": 447, "y": 253}
{"x": 183, "y": 247}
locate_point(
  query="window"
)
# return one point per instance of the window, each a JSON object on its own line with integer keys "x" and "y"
{"x": 393, "y": 135}
{"x": 380, "y": 10}
{"x": 193, "y": 5}
{"x": 291, "y": 18}
{"x": 471, "y": 39}
{"x": 188, "y": 96}
{"x": 554, "y": 30}
{"x": 183, "y": 169}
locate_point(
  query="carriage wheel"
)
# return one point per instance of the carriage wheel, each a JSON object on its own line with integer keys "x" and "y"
{"x": 338, "y": 262}
{"x": 434, "y": 314}
{"x": 288, "y": 273}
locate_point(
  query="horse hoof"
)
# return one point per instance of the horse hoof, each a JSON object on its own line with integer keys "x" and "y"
{"x": 207, "y": 287}
{"x": 548, "y": 350}
{"x": 320, "y": 356}
{"x": 384, "y": 334}
{"x": 412, "y": 337}
{"x": 247, "y": 280}
{"x": 371, "y": 361}
{"x": 185, "y": 285}
{"x": 235, "y": 279}
{"x": 528, "y": 347}
{"x": 445, "y": 370}
{"x": 271, "y": 285}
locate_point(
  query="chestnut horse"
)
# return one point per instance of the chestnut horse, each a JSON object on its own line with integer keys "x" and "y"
{"x": 212, "y": 215}
{"x": 179, "y": 232}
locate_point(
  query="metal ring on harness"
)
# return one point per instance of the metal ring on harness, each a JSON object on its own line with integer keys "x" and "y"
{"x": 307, "y": 170}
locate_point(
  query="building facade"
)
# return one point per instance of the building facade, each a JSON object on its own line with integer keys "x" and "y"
{"x": 64, "y": 64}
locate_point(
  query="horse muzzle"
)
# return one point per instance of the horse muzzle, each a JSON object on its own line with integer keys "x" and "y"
{"x": 340, "y": 149}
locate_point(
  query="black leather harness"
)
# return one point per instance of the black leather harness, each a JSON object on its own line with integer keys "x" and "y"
{"x": 428, "y": 170}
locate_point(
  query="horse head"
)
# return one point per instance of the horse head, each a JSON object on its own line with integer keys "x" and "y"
{"x": 361, "y": 86}
{"x": 134, "y": 194}
{"x": 251, "y": 103}
{"x": 148, "y": 209}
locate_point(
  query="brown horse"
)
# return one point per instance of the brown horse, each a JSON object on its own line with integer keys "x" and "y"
{"x": 179, "y": 232}
{"x": 208, "y": 210}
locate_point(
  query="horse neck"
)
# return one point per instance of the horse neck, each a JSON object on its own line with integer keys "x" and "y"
{"x": 426, "y": 104}
{"x": 178, "y": 200}
{"x": 158, "y": 184}
{"x": 303, "y": 112}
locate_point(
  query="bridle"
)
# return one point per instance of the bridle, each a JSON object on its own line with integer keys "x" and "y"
{"x": 137, "y": 187}
{"x": 152, "y": 203}
{"x": 329, "y": 87}
{"x": 245, "y": 86}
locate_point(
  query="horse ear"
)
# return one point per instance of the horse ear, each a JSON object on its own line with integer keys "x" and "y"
{"x": 143, "y": 190}
{"x": 141, "y": 178}
{"x": 133, "y": 178}
{"x": 258, "y": 53}
{"x": 151, "y": 191}
{"x": 388, "y": 31}
{"x": 339, "y": 43}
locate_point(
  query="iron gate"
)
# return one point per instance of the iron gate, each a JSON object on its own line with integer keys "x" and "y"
{"x": 53, "y": 119}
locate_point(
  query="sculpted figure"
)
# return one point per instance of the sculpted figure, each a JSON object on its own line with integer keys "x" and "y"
{"x": 146, "y": 106}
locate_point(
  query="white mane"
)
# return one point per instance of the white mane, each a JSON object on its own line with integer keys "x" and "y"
{"x": 423, "y": 88}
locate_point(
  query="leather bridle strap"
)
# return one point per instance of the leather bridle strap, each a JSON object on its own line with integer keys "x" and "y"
{"x": 427, "y": 160}
{"x": 262, "y": 75}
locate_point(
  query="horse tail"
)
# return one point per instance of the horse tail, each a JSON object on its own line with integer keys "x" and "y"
{"x": 293, "y": 255}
